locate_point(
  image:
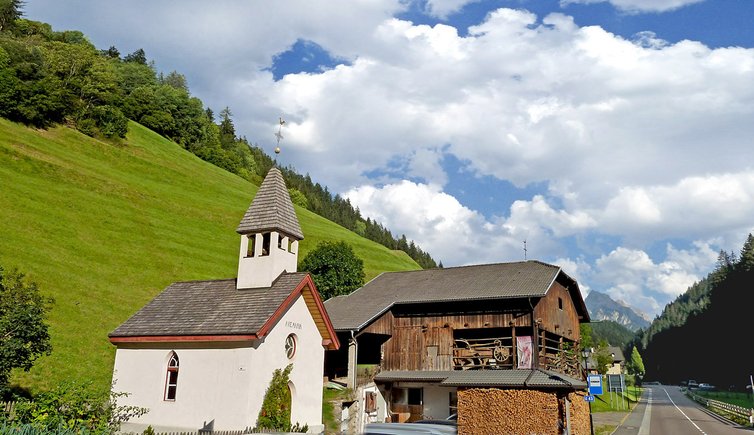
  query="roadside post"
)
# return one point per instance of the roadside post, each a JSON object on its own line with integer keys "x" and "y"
{"x": 751, "y": 413}
{"x": 594, "y": 386}
{"x": 594, "y": 382}
{"x": 617, "y": 384}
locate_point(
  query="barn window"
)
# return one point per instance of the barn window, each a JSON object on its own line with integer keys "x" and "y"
{"x": 171, "y": 379}
{"x": 560, "y": 303}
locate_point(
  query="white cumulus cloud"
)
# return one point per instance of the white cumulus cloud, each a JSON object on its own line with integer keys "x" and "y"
{"x": 639, "y": 6}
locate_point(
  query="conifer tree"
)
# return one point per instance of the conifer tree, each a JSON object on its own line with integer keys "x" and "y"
{"x": 746, "y": 260}
{"x": 10, "y": 11}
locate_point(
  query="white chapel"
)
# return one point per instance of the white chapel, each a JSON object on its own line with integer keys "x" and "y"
{"x": 201, "y": 354}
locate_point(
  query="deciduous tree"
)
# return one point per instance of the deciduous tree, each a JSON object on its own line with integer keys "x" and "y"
{"x": 635, "y": 364}
{"x": 23, "y": 331}
{"x": 602, "y": 358}
{"x": 335, "y": 269}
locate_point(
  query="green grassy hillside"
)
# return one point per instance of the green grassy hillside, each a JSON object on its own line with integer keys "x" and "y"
{"x": 103, "y": 228}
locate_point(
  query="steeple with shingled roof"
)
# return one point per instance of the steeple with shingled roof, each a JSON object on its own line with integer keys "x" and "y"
{"x": 270, "y": 233}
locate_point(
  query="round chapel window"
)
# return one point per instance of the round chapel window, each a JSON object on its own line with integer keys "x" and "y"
{"x": 290, "y": 346}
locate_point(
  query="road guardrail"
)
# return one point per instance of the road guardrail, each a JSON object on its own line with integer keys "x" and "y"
{"x": 717, "y": 406}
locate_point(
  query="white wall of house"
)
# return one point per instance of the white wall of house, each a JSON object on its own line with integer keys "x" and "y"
{"x": 615, "y": 369}
{"x": 435, "y": 399}
{"x": 221, "y": 382}
{"x": 379, "y": 415}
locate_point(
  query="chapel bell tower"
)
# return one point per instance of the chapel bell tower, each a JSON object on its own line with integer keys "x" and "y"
{"x": 269, "y": 235}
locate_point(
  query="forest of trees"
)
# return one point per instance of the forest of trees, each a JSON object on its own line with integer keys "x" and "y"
{"x": 49, "y": 77}
{"x": 712, "y": 342}
{"x": 613, "y": 333}
{"x": 693, "y": 301}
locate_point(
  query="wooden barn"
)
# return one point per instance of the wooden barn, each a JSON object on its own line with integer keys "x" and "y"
{"x": 423, "y": 343}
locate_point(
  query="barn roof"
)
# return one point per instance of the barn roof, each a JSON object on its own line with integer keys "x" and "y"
{"x": 467, "y": 283}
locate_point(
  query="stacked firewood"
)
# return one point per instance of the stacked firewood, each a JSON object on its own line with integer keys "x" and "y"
{"x": 520, "y": 412}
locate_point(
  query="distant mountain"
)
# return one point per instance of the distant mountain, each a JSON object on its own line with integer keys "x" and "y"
{"x": 603, "y": 307}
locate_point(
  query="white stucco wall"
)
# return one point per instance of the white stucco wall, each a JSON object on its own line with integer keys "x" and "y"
{"x": 260, "y": 271}
{"x": 435, "y": 399}
{"x": 223, "y": 382}
{"x": 437, "y": 402}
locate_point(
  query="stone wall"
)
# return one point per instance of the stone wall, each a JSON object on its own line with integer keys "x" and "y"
{"x": 521, "y": 412}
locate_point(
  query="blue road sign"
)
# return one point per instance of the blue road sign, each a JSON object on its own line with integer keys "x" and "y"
{"x": 589, "y": 398}
{"x": 595, "y": 384}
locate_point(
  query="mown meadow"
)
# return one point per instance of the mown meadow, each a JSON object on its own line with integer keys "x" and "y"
{"x": 103, "y": 226}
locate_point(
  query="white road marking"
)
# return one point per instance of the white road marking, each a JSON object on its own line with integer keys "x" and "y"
{"x": 644, "y": 428}
{"x": 684, "y": 414}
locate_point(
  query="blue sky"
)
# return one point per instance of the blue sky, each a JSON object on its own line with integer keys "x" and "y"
{"x": 613, "y": 136}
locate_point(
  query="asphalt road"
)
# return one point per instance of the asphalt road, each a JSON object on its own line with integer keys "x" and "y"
{"x": 666, "y": 411}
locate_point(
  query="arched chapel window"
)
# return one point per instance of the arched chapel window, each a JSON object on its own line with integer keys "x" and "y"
{"x": 171, "y": 380}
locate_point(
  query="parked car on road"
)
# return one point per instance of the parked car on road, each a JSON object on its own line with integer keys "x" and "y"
{"x": 706, "y": 387}
{"x": 692, "y": 384}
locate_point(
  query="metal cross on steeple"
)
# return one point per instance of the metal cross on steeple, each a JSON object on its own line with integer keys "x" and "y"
{"x": 279, "y": 135}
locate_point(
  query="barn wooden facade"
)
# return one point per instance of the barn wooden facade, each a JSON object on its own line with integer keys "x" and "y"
{"x": 495, "y": 325}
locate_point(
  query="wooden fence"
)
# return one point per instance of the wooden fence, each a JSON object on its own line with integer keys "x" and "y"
{"x": 225, "y": 432}
{"x": 219, "y": 432}
{"x": 8, "y": 409}
{"x": 718, "y": 407}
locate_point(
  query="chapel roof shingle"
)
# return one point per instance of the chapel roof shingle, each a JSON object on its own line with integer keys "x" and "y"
{"x": 271, "y": 209}
{"x": 465, "y": 283}
{"x": 198, "y": 308}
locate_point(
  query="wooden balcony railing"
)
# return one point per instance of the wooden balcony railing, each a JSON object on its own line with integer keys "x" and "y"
{"x": 500, "y": 353}
{"x": 484, "y": 353}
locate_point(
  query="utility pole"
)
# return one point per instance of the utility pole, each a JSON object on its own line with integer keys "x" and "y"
{"x": 586, "y": 352}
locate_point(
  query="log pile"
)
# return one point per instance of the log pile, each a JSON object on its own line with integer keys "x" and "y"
{"x": 496, "y": 411}
{"x": 579, "y": 413}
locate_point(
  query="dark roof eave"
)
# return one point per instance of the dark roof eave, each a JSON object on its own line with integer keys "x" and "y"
{"x": 268, "y": 229}
{"x": 386, "y": 309}
{"x": 180, "y": 338}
